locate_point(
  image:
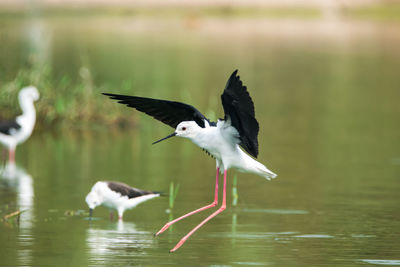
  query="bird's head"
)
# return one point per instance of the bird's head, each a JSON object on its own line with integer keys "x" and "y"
{"x": 30, "y": 92}
{"x": 93, "y": 200}
{"x": 187, "y": 129}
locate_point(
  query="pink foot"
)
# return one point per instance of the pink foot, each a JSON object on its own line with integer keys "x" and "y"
{"x": 222, "y": 208}
{"x": 213, "y": 204}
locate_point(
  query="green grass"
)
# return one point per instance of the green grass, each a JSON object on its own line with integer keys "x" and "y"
{"x": 235, "y": 195}
{"x": 62, "y": 101}
{"x": 173, "y": 192}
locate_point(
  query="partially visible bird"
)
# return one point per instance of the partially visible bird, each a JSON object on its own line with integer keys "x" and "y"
{"x": 221, "y": 139}
{"x": 116, "y": 195}
{"x": 16, "y": 131}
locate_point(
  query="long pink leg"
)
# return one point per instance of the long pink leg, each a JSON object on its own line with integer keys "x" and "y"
{"x": 11, "y": 155}
{"x": 213, "y": 204}
{"x": 222, "y": 208}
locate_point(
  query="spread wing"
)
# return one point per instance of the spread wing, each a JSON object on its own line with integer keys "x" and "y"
{"x": 168, "y": 112}
{"x": 239, "y": 108}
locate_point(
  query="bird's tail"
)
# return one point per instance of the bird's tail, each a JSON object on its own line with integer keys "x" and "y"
{"x": 137, "y": 200}
{"x": 251, "y": 165}
{"x": 260, "y": 169}
{"x": 269, "y": 174}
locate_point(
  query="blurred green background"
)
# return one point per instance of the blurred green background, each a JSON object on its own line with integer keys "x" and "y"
{"x": 72, "y": 51}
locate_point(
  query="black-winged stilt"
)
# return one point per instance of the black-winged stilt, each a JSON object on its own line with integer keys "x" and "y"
{"x": 116, "y": 195}
{"x": 16, "y": 131}
{"x": 221, "y": 139}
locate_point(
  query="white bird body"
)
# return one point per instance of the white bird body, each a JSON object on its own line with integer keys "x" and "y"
{"x": 28, "y": 117}
{"x": 116, "y": 197}
{"x": 222, "y": 142}
{"x": 21, "y": 129}
{"x": 114, "y": 200}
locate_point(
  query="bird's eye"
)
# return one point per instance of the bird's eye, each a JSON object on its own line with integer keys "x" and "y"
{"x": 183, "y": 128}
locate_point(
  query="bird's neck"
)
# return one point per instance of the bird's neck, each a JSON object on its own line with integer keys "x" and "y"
{"x": 28, "y": 117}
{"x": 28, "y": 109}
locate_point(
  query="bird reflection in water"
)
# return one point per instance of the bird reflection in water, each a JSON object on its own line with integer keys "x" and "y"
{"x": 15, "y": 178}
{"x": 119, "y": 240}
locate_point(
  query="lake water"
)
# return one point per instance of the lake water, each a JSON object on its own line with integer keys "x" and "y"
{"x": 327, "y": 103}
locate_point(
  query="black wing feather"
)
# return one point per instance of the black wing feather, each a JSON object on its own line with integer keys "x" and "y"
{"x": 7, "y": 126}
{"x": 239, "y": 108}
{"x": 126, "y": 190}
{"x": 168, "y": 112}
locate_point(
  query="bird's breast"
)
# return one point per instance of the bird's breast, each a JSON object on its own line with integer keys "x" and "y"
{"x": 211, "y": 140}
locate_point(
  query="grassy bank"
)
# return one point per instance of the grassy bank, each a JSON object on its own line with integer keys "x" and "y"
{"x": 62, "y": 101}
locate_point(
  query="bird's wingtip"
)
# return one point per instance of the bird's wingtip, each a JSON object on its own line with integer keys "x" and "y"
{"x": 112, "y": 96}
{"x": 233, "y": 76}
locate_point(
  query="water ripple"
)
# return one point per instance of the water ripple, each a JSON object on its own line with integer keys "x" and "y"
{"x": 276, "y": 211}
{"x": 382, "y": 262}
{"x": 314, "y": 236}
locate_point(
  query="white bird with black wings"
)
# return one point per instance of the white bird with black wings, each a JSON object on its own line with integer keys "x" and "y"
{"x": 221, "y": 139}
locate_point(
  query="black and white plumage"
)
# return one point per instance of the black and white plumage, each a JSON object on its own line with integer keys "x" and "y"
{"x": 221, "y": 139}
{"x": 116, "y": 195}
{"x": 16, "y": 131}
{"x": 239, "y": 109}
{"x": 239, "y": 126}
{"x": 9, "y": 127}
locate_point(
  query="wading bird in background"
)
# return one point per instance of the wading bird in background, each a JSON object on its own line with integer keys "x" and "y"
{"x": 116, "y": 195}
{"x": 221, "y": 139}
{"x": 16, "y": 131}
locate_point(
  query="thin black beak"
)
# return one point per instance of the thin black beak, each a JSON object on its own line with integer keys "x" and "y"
{"x": 162, "y": 139}
{"x": 90, "y": 214}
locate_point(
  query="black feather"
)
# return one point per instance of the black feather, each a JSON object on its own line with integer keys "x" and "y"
{"x": 168, "y": 112}
{"x": 208, "y": 153}
{"x": 239, "y": 108}
{"x": 6, "y": 127}
{"x": 126, "y": 190}
{"x": 236, "y": 101}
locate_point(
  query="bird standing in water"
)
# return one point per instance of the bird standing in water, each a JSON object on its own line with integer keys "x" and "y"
{"x": 221, "y": 139}
{"x": 16, "y": 131}
{"x": 116, "y": 195}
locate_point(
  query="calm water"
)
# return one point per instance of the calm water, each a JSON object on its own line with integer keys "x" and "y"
{"x": 329, "y": 115}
